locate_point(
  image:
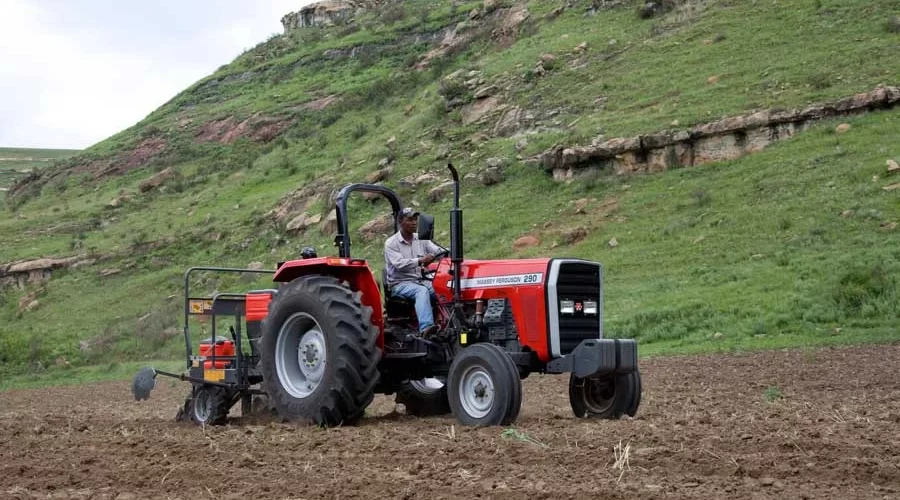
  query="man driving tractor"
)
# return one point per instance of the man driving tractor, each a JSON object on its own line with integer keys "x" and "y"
{"x": 404, "y": 255}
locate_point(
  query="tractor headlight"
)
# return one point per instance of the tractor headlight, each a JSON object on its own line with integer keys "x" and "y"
{"x": 567, "y": 307}
{"x": 590, "y": 307}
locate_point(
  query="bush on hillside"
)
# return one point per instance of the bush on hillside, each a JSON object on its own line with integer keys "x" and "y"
{"x": 655, "y": 8}
{"x": 892, "y": 25}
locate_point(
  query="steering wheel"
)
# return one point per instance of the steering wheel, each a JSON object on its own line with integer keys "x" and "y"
{"x": 429, "y": 274}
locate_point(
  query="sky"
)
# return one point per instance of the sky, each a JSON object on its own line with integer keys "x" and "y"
{"x": 73, "y": 73}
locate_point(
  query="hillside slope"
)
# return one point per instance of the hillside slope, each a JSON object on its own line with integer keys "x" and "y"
{"x": 16, "y": 163}
{"x": 794, "y": 244}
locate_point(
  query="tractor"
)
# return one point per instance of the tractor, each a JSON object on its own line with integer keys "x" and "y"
{"x": 328, "y": 338}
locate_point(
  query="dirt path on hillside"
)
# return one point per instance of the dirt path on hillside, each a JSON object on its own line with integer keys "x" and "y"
{"x": 708, "y": 427}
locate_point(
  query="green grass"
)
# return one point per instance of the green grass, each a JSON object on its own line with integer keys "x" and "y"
{"x": 15, "y": 163}
{"x": 109, "y": 372}
{"x": 747, "y": 254}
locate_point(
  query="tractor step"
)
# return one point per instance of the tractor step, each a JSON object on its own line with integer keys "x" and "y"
{"x": 405, "y": 355}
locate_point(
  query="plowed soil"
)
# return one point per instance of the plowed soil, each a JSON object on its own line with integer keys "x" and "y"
{"x": 785, "y": 424}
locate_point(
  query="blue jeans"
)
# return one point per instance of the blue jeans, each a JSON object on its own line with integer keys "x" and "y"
{"x": 422, "y": 294}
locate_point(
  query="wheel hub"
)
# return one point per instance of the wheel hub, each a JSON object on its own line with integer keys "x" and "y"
{"x": 476, "y": 392}
{"x": 599, "y": 394}
{"x": 300, "y": 355}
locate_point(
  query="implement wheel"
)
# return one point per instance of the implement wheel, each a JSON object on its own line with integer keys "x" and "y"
{"x": 207, "y": 405}
{"x": 319, "y": 356}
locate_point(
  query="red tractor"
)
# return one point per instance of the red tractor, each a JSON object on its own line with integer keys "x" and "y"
{"x": 329, "y": 338}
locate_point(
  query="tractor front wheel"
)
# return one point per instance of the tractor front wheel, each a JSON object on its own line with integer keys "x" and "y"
{"x": 484, "y": 387}
{"x": 606, "y": 397}
{"x": 319, "y": 356}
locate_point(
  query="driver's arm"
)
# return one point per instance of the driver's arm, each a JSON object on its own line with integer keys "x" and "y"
{"x": 432, "y": 248}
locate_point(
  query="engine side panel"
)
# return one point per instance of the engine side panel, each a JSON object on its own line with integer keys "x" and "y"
{"x": 521, "y": 282}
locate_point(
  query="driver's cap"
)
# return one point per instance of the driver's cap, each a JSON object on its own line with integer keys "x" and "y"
{"x": 408, "y": 212}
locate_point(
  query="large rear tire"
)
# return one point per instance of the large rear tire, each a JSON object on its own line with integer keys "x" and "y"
{"x": 424, "y": 398}
{"x": 606, "y": 397}
{"x": 484, "y": 388}
{"x": 319, "y": 356}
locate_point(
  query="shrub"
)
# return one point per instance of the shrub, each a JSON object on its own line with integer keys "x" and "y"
{"x": 654, "y": 8}
{"x": 892, "y": 25}
{"x": 865, "y": 287}
{"x": 393, "y": 14}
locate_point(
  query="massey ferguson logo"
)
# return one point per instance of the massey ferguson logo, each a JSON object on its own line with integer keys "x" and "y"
{"x": 579, "y": 306}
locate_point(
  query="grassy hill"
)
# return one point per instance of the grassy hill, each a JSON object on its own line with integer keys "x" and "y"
{"x": 16, "y": 163}
{"x": 795, "y": 245}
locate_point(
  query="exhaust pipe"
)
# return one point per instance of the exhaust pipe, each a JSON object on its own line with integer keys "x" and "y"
{"x": 456, "y": 233}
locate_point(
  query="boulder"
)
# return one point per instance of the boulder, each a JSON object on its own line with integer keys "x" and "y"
{"x": 574, "y": 235}
{"x": 526, "y": 242}
{"x": 491, "y": 176}
{"x": 157, "y": 180}
{"x": 486, "y": 91}
{"x": 509, "y": 123}
{"x": 379, "y": 175}
{"x": 329, "y": 227}
{"x": 438, "y": 193}
{"x": 377, "y": 226}
{"x": 302, "y": 222}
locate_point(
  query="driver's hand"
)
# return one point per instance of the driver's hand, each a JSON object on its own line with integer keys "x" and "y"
{"x": 426, "y": 259}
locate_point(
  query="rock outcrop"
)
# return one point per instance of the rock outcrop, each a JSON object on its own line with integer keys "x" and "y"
{"x": 725, "y": 139}
{"x": 32, "y": 272}
{"x": 326, "y": 13}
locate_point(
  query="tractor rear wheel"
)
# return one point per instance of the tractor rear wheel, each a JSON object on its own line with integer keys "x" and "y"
{"x": 484, "y": 387}
{"x": 424, "y": 398}
{"x": 606, "y": 397}
{"x": 319, "y": 356}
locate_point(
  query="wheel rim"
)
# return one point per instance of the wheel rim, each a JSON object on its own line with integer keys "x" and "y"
{"x": 598, "y": 394}
{"x": 427, "y": 385}
{"x": 300, "y": 355}
{"x": 476, "y": 392}
{"x": 202, "y": 405}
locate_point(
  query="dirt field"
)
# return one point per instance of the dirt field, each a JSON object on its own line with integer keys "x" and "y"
{"x": 816, "y": 424}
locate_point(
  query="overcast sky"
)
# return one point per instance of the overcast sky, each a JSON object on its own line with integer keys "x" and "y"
{"x": 75, "y": 72}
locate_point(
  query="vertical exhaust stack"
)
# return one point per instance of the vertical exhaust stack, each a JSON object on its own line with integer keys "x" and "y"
{"x": 456, "y": 234}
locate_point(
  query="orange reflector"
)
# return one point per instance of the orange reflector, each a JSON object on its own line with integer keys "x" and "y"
{"x": 336, "y": 261}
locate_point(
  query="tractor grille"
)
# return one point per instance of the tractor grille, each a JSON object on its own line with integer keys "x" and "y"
{"x": 578, "y": 281}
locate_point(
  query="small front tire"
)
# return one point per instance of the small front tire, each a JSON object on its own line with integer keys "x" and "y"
{"x": 484, "y": 388}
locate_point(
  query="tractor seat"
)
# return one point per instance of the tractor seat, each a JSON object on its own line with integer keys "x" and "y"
{"x": 388, "y": 296}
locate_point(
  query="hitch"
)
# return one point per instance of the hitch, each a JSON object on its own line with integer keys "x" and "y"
{"x": 145, "y": 381}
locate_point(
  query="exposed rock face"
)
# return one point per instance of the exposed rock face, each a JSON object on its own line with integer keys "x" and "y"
{"x": 32, "y": 272}
{"x": 257, "y": 128}
{"x": 725, "y": 139}
{"x": 326, "y": 13}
